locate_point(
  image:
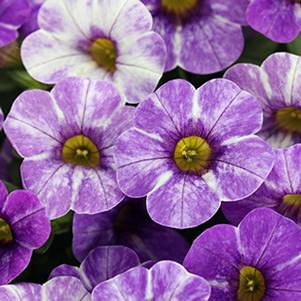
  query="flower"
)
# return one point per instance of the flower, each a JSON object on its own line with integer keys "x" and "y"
{"x": 127, "y": 224}
{"x": 279, "y": 20}
{"x": 277, "y": 85}
{"x": 66, "y": 137}
{"x": 59, "y": 288}
{"x": 166, "y": 280}
{"x": 31, "y": 23}
{"x": 101, "y": 264}
{"x": 23, "y": 227}
{"x": 201, "y": 36}
{"x": 6, "y": 158}
{"x": 111, "y": 41}
{"x": 259, "y": 260}
{"x": 12, "y": 16}
{"x": 189, "y": 150}
{"x": 281, "y": 190}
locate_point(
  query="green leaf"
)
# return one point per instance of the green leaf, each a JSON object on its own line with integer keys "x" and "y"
{"x": 295, "y": 46}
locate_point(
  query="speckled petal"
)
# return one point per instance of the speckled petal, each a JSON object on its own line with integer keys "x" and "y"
{"x": 21, "y": 292}
{"x": 214, "y": 255}
{"x": 165, "y": 280}
{"x": 240, "y": 168}
{"x": 33, "y": 124}
{"x": 182, "y": 201}
{"x": 27, "y": 219}
{"x": 210, "y": 44}
{"x": 101, "y": 264}
{"x": 231, "y": 106}
{"x": 279, "y": 20}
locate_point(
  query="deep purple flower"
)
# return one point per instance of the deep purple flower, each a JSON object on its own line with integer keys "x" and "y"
{"x": 201, "y": 36}
{"x": 31, "y": 23}
{"x": 57, "y": 289}
{"x": 189, "y": 150}
{"x": 12, "y": 16}
{"x": 277, "y": 85}
{"x": 258, "y": 261}
{"x": 281, "y": 190}
{"x": 23, "y": 227}
{"x": 279, "y": 20}
{"x": 6, "y": 158}
{"x": 109, "y": 40}
{"x": 66, "y": 137}
{"x": 101, "y": 264}
{"x": 128, "y": 224}
{"x": 166, "y": 280}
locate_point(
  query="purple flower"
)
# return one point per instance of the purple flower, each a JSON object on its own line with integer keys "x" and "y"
{"x": 101, "y": 264}
{"x": 201, "y": 36}
{"x": 166, "y": 280}
{"x": 281, "y": 190}
{"x": 109, "y": 40}
{"x": 12, "y": 16}
{"x": 31, "y": 23}
{"x": 277, "y": 85}
{"x": 23, "y": 227}
{"x": 66, "y": 137}
{"x": 259, "y": 260}
{"x": 6, "y": 158}
{"x": 128, "y": 224}
{"x": 189, "y": 150}
{"x": 56, "y": 289}
{"x": 279, "y": 20}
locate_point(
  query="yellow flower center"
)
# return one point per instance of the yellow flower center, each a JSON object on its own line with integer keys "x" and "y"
{"x": 251, "y": 284}
{"x": 6, "y": 235}
{"x": 80, "y": 150}
{"x": 179, "y": 8}
{"x": 103, "y": 52}
{"x": 289, "y": 119}
{"x": 192, "y": 154}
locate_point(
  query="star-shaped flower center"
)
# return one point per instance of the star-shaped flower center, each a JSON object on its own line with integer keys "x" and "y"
{"x": 103, "y": 52}
{"x": 251, "y": 284}
{"x": 289, "y": 119}
{"x": 179, "y": 8}
{"x": 192, "y": 154}
{"x": 6, "y": 235}
{"x": 80, "y": 150}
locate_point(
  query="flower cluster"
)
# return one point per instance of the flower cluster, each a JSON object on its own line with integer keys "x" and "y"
{"x": 129, "y": 170}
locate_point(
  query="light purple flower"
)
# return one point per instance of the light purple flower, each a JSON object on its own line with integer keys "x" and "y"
{"x": 98, "y": 39}
{"x": 101, "y": 264}
{"x": 166, "y": 280}
{"x": 23, "y": 228}
{"x": 201, "y": 36}
{"x": 259, "y": 261}
{"x": 66, "y": 137}
{"x": 277, "y": 85}
{"x": 128, "y": 224}
{"x": 281, "y": 190}
{"x": 12, "y": 16}
{"x": 31, "y": 23}
{"x": 189, "y": 150}
{"x": 279, "y": 20}
{"x": 57, "y": 289}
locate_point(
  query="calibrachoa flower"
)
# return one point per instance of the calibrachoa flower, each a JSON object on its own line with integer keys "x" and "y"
{"x": 201, "y": 36}
{"x": 279, "y": 20}
{"x": 6, "y": 158}
{"x": 31, "y": 23}
{"x": 12, "y": 16}
{"x": 23, "y": 227}
{"x": 189, "y": 150}
{"x": 277, "y": 85}
{"x": 258, "y": 261}
{"x": 66, "y": 137}
{"x": 101, "y": 264}
{"x": 57, "y": 289}
{"x": 280, "y": 191}
{"x": 128, "y": 224}
{"x": 166, "y": 280}
{"x": 110, "y": 40}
